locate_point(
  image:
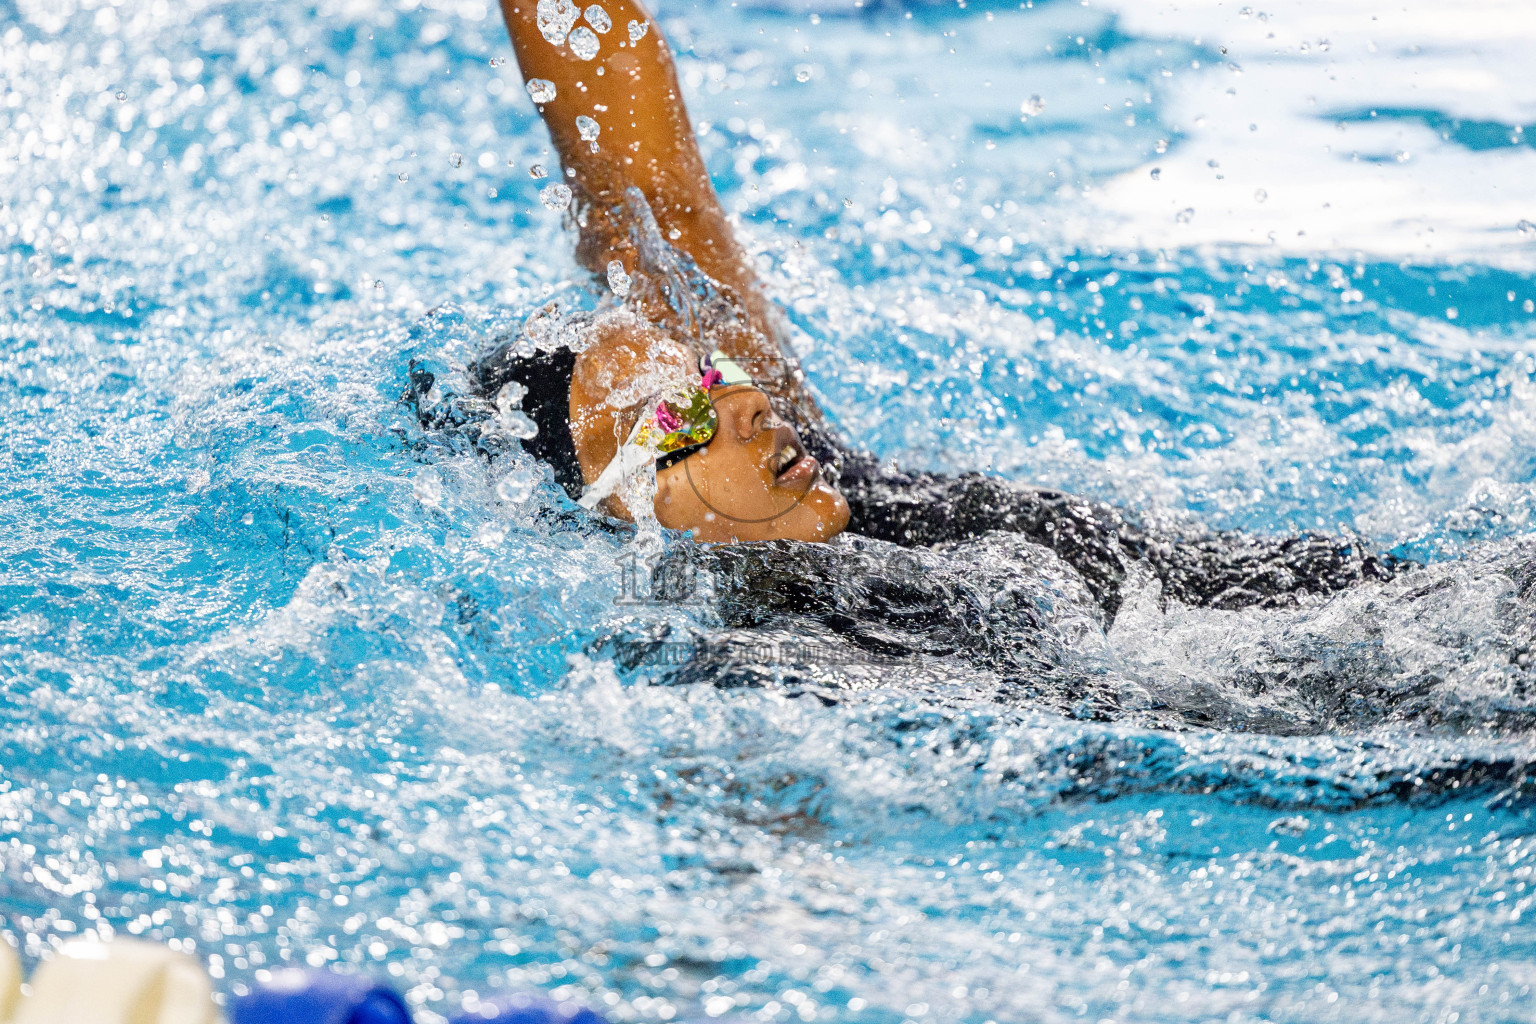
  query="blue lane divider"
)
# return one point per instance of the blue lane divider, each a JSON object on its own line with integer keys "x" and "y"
{"x": 320, "y": 997}
{"x": 527, "y": 1008}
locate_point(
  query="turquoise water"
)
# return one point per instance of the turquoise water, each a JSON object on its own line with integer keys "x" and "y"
{"x": 285, "y": 679}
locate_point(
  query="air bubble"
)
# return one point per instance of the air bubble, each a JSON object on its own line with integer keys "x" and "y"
{"x": 848, "y": 203}
{"x": 556, "y": 197}
{"x": 803, "y": 75}
{"x": 587, "y": 128}
{"x": 1033, "y": 107}
{"x": 540, "y": 90}
{"x": 122, "y": 96}
{"x": 1157, "y": 172}
{"x": 1186, "y": 215}
{"x": 403, "y": 176}
{"x": 674, "y": 234}
{"x": 598, "y": 18}
{"x": 583, "y": 43}
{"x": 537, "y": 171}
{"x": 555, "y": 18}
{"x": 456, "y": 160}
{"x": 618, "y": 281}
{"x": 1526, "y": 228}
{"x": 637, "y": 30}
{"x": 497, "y": 62}
{"x": 1260, "y": 196}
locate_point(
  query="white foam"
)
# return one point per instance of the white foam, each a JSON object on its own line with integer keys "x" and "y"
{"x": 1267, "y": 114}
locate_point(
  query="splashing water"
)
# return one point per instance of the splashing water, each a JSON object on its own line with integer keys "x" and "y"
{"x": 540, "y": 90}
{"x": 290, "y": 679}
{"x": 583, "y": 42}
{"x": 556, "y": 196}
{"x": 555, "y": 18}
{"x": 598, "y": 18}
{"x": 618, "y": 280}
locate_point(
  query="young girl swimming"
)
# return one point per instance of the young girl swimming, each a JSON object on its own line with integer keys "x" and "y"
{"x": 690, "y": 373}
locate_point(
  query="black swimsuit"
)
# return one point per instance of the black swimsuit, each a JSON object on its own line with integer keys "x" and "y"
{"x": 1201, "y": 568}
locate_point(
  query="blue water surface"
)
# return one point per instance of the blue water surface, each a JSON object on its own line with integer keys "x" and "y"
{"x": 286, "y": 679}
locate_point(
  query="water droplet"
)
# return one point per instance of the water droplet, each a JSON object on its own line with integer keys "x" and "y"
{"x": 1260, "y": 196}
{"x": 537, "y": 171}
{"x": 510, "y": 396}
{"x": 555, "y": 18}
{"x": 674, "y": 234}
{"x": 1402, "y": 156}
{"x": 803, "y": 75}
{"x": 1186, "y": 215}
{"x": 428, "y": 489}
{"x": 516, "y": 489}
{"x": 540, "y": 90}
{"x": 497, "y": 62}
{"x": 1526, "y": 228}
{"x": 404, "y": 176}
{"x": 848, "y": 203}
{"x": 638, "y": 29}
{"x": 1213, "y": 163}
{"x": 587, "y": 128}
{"x": 1157, "y": 172}
{"x": 618, "y": 281}
{"x": 1162, "y": 145}
{"x": 456, "y": 160}
{"x": 598, "y": 18}
{"x": 1033, "y": 107}
{"x": 556, "y": 197}
{"x": 583, "y": 43}
{"x": 121, "y": 96}
{"x": 517, "y": 424}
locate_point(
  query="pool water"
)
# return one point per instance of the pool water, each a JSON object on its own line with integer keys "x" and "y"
{"x": 286, "y": 679}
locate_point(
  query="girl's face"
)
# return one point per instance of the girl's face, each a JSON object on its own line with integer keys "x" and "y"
{"x": 753, "y": 481}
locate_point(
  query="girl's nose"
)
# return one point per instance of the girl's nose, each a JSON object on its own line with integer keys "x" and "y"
{"x": 744, "y": 413}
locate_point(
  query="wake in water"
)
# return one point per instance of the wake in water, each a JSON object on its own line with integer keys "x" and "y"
{"x": 1440, "y": 650}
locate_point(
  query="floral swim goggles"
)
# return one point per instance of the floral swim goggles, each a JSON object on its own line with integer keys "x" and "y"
{"x": 677, "y": 423}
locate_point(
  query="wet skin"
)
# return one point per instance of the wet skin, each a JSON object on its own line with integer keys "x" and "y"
{"x": 736, "y": 488}
{"x": 753, "y": 481}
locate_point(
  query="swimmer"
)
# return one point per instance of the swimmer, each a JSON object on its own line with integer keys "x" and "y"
{"x": 691, "y": 372}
